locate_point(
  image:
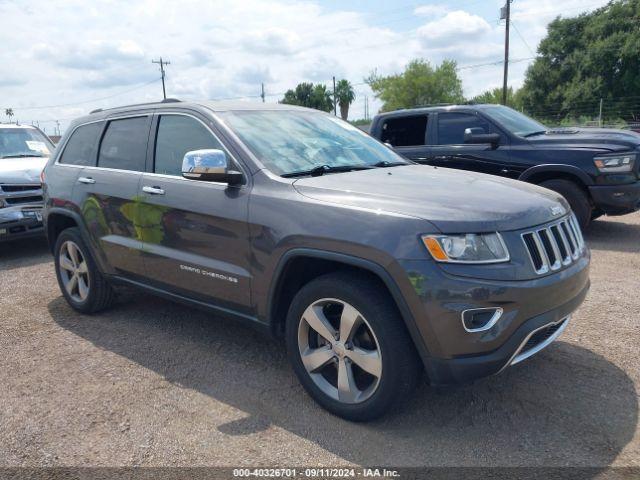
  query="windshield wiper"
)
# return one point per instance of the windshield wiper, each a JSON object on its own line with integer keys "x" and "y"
{"x": 533, "y": 134}
{"x": 23, "y": 155}
{"x": 322, "y": 169}
{"x": 384, "y": 163}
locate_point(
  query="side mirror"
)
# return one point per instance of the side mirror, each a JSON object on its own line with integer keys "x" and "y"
{"x": 477, "y": 135}
{"x": 209, "y": 165}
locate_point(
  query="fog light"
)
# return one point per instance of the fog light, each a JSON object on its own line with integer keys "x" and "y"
{"x": 480, "y": 319}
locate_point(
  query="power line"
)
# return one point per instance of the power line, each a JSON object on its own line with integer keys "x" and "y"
{"x": 522, "y": 38}
{"x": 83, "y": 102}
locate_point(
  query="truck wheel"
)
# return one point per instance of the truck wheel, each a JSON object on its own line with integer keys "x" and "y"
{"x": 82, "y": 285}
{"x": 576, "y": 197}
{"x": 349, "y": 347}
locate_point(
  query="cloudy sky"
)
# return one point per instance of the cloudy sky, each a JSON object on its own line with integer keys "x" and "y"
{"x": 60, "y": 59}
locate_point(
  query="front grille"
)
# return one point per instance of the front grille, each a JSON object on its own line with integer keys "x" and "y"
{"x": 554, "y": 246}
{"x": 20, "y": 194}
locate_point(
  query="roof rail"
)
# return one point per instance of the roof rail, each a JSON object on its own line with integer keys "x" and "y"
{"x": 166, "y": 100}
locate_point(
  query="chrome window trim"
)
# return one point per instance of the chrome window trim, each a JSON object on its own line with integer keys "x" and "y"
{"x": 63, "y": 147}
{"x": 494, "y": 319}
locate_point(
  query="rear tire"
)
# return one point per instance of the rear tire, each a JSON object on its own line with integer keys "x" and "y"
{"x": 80, "y": 281}
{"x": 576, "y": 196}
{"x": 360, "y": 326}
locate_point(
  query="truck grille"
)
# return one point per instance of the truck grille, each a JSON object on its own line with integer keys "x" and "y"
{"x": 554, "y": 246}
{"x": 12, "y": 195}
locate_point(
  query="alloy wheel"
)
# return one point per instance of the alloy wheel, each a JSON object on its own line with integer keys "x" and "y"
{"x": 74, "y": 271}
{"x": 340, "y": 351}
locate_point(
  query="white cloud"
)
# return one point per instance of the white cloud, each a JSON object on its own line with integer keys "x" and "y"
{"x": 453, "y": 27}
{"x": 430, "y": 10}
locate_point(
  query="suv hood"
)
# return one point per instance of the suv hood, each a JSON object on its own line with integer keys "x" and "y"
{"x": 598, "y": 138}
{"x": 453, "y": 201}
{"x": 21, "y": 170}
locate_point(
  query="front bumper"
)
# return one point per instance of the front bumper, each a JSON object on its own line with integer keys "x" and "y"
{"x": 616, "y": 199}
{"x": 455, "y": 355}
{"x": 17, "y": 223}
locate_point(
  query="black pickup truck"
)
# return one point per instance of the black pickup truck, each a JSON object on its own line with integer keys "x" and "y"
{"x": 596, "y": 170}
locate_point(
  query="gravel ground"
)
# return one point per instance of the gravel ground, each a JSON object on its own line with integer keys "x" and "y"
{"x": 153, "y": 383}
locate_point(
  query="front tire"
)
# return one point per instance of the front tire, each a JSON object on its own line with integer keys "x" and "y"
{"x": 349, "y": 347}
{"x": 575, "y": 196}
{"x": 80, "y": 281}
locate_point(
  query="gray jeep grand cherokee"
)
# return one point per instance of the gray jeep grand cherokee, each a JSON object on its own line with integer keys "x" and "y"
{"x": 370, "y": 266}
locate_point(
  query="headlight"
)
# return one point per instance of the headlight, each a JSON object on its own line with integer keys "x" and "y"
{"x": 467, "y": 248}
{"x": 615, "y": 163}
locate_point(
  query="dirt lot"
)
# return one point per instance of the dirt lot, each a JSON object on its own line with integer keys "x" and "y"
{"x": 153, "y": 383}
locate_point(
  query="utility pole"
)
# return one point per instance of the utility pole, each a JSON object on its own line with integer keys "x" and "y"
{"x": 335, "y": 114}
{"x": 600, "y": 114}
{"x": 57, "y": 127}
{"x": 162, "y": 64}
{"x": 262, "y": 94}
{"x": 505, "y": 14}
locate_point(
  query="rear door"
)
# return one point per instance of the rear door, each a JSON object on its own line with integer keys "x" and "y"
{"x": 195, "y": 233}
{"x": 107, "y": 194}
{"x": 451, "y": 151}
{"x": 407, "y": 135}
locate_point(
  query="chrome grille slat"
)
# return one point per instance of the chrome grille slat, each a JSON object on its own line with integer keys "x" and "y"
{"x": 549, "y": 244}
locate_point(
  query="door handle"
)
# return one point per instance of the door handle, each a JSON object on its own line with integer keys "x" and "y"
{"x": 153, "y": 190}
{"x": 86, "y": 180}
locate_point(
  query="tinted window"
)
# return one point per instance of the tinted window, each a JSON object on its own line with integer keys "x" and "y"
{"x": 405, "y": 131}
{"x": 451, "y": 127}
{"x": 82, "y": 147}
{"x": 124, "y": 145}
{"x": 177, "y": 135}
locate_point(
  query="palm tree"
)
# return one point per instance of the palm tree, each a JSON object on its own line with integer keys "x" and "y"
{"x": 345, "y": 96}
{"x": 9, "y": 113}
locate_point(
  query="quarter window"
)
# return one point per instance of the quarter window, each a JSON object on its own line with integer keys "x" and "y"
{"x": 82, "y": 147}
{"x": 177, "y": 135}
{"x": 451, "y": 127}
{"x": 124, "y": 145}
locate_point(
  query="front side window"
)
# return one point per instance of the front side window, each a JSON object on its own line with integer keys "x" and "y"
{"x": 288, "y": 141}
{"x": 16, "y": 142}
{"x": 405, "y": 131}
{"x": 82, "y": 147}
{"x": 177, "y": 135}
{"x": 516, "y": 122}
{"x": 451, "y": 127}
{"x": 124, "y": 145}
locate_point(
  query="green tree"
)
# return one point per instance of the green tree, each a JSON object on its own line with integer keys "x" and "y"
{"x": 514, "y": 98}
{"x": 9, "y": 113}
{"x": 584, "y": 59}
{"x": 309, "y": 95}
{"x": 345, "y": 97}
{"x": 419, "y": 84}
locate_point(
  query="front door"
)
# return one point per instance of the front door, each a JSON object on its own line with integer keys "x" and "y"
{"x": 451, "y": 151}
{"x": 194, "y": 233}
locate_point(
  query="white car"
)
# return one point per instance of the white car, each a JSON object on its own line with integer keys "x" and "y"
{"x": 24, "y": 151}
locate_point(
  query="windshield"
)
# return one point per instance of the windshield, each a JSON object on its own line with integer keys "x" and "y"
{"x": 514, "y": 121}
{"x": 23, "y": 142}
{"x": 289, "y": 141}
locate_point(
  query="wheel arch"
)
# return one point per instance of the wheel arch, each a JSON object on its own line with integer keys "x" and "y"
{"x": 57, "y": 220}
{"x": 541, "y": 173}
{"x": 319, "y": 262}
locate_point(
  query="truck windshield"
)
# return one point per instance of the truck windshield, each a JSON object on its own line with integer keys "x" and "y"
{"x": 16, "y": 142}
{"x": 514, "y": 121}
{"x": 289, "y": 142}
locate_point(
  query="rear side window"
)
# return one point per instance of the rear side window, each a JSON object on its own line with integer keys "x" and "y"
{"x": 451, "y": 127}
{"x": 82, "y": 147}
{"x": 177, "y": 135}
{"x": 124, "y": 145}
{"x": 405, "y": 131}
